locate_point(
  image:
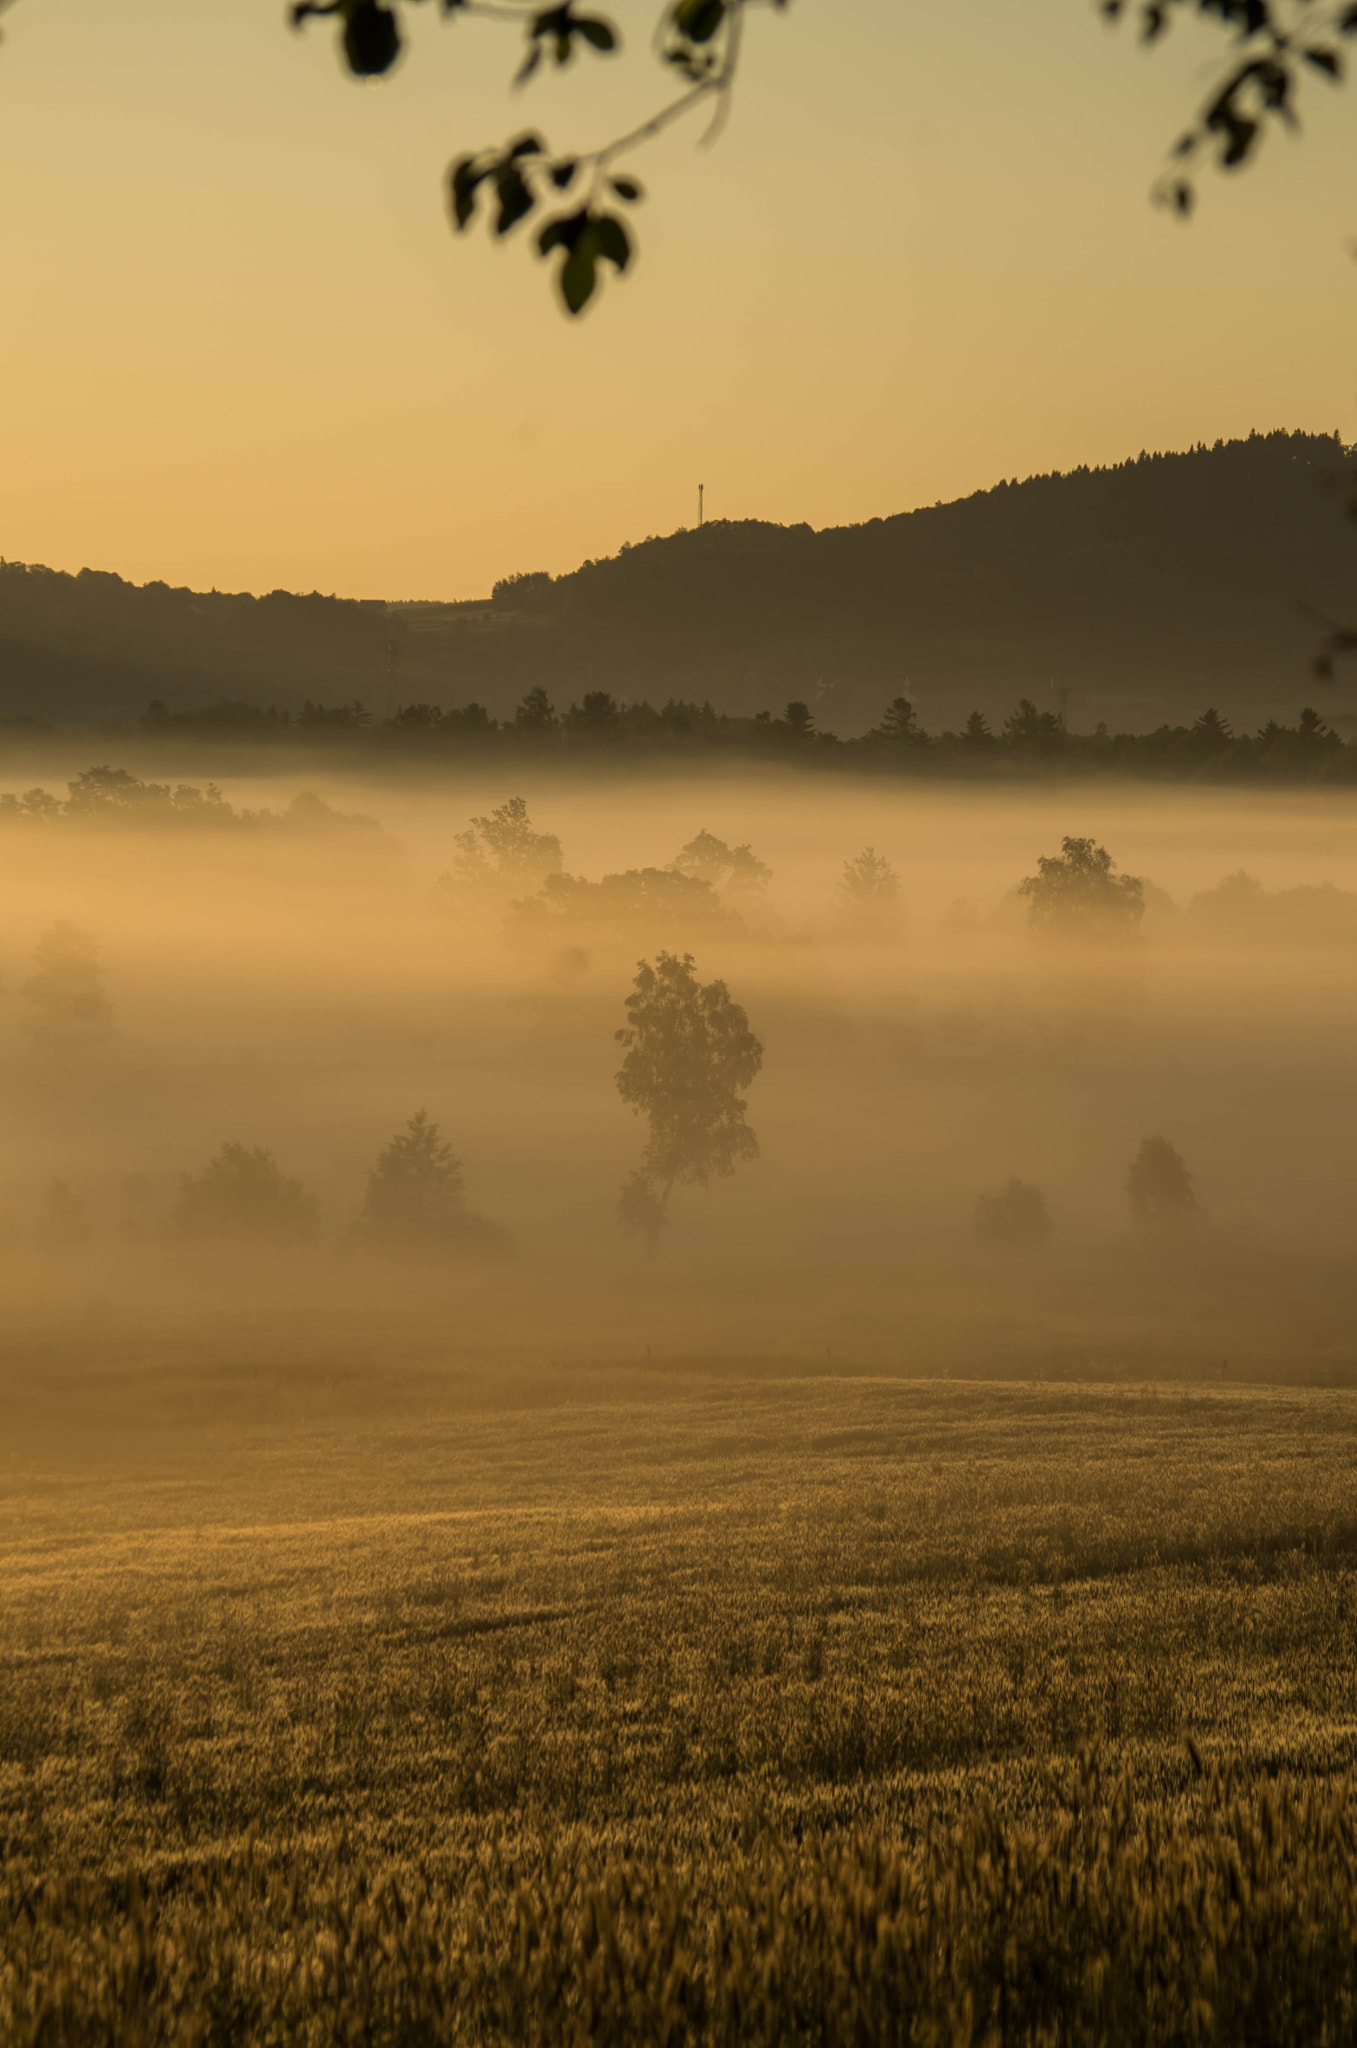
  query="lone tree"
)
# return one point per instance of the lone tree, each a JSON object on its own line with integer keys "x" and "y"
{"x": 869, "y": 892}
{"x": 1159, "y": 1187}
{"x": 1075, "y": 894}
{"x": 241, "y": 1194}
{"x": 65, "y": 997}
{"x": 416, "y": 1201}
{"x": 1017, "y": 1216}
{"x": 690, "y": 1054}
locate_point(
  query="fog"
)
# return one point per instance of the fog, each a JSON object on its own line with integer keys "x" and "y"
{"x": 308, "y": 993}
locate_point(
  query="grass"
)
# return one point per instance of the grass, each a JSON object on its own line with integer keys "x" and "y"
{"x": 663, "y": 1707}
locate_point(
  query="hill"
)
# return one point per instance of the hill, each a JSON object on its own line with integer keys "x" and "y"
{"x": 1143, "y": 590}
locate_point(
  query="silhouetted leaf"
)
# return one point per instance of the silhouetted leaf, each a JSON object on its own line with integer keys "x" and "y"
{"x": 463, "y": 182}
{"x": 562, "y": 233}
{"x": 563, "y": 172}
{"x": 526, "y": 145}
{"x": 579, "y": 274}
{"x": 597, "y": 32}
{"x": 1327, "y": 61}
{"x": 612, "y": 240}
{"x": 372, "y": 39}
{"x": 698, "y": 20}
{"x": 515, "y": 200}
{"x": 627, "y": 188}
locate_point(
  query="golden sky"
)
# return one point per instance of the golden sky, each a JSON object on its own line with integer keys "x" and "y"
{"x": 244, "y": 350}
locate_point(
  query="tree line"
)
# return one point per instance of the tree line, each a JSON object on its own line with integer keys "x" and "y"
{"x": 599, "y": 728}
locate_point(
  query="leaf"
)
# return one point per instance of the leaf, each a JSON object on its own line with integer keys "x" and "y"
{"x": 562, "y": 173}
{"x": 627, "y": 188}
{"x": 563, "y": 232}
{"x": 698, "y": 20}
{"x": 372, "y": 39}
{"x": 526, "y": 145}
{"x": 529, "y": 65}
{"x": 515, "y": 199}
{"x": 612, "y": 240}
{"x": 596, "y": 31}
{"x": 579, "y": 275}
{"x": 1327, "y": 61}
{"x": 464, "y": 181}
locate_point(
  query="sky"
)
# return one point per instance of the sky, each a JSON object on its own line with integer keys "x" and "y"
{"x": 244, "y": 350}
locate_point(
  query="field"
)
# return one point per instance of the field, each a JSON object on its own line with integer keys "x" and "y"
{"x": 670, "y": 1703}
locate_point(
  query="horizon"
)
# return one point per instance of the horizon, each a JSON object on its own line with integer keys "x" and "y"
{"x": 751, "y": 519}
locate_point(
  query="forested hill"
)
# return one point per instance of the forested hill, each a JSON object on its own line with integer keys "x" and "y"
{"x": 1144, "y": 590}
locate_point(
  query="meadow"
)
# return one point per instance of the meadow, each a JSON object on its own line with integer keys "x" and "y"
{"x": 840, "y": 1627}
{"x": 671, "y": 1704}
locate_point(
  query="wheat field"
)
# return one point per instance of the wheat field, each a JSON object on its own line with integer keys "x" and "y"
{"x": 672, "y": 1704}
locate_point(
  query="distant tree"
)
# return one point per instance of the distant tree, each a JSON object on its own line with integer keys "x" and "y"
{"x": 415, "y": 1200}
{"x": 63, "y": 1225}
{"x": 1039, "y": 731}
{"x": 736, "y": 870}
{"x": 529, "y": 591}
{"x": 899, "y": 724}
{"x": 869, "y": 891}
{"x": 689, "y": 1055}
{"x": 418, "y": 718}
{"x": 977, "y": 735}
{"x": 1159, "y": 1187}
{"x": 1075, "y": 893}
{"x": 536, "y": 713}
{"x": 67, "y": 1005}
{"x": 501, "y": 853}
{"x": 638, "y": 905}
{"x": 1209, "y": 736}
{"x": 1018, "y": 1216}
{"x": 597, "y": 716}
{"x": 799, "y": 721}
{"x": 241, "y": 1194}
